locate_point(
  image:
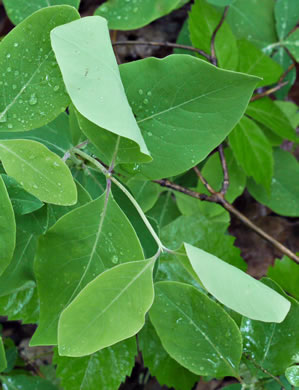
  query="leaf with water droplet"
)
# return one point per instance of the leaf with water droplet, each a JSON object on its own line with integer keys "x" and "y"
{"x": 38, "y": 174}
{"x": 24, "y": 96}
{"x": 88, "y": 82}
{"x": 273, "y": 346}
{"x": 133, "y": 14}
{"x": 116, "y": 361}
{"x": 195, "y": 342}
{"x": 184, "y": 111}
{"x": 18, "y": 10}
{"x": 92, "y": 251}
{"x": 124, "y": 295}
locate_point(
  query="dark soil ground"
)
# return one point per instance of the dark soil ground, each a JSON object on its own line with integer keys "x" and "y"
{"x": 257, "y": 252}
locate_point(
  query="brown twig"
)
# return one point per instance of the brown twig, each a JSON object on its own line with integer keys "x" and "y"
{"x": 164, "y": 44}
{"x": 213, "y": 52}
{"x": 173, "y": 186}
{"x": 269, "y": 91}
{"x": 285, "y": 73}
{"x": 218, "y": 197}
{"x": 248, "y": 357}
{"x": 225, "y": 183}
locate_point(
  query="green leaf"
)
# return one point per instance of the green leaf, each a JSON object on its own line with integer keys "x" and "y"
{"x": 290, "y": 110}
{"x": 286, "y": 273}
{"x": 22, "y": 305}
{"x": 131, "y": 15}
{"x": 109, "y": 309}
{"x": 7, "y": 227}
{"x": 34, "y": 223}
{"x": 87, "y": 241}
{"x": 145, "y": 192}
{"x": 292, "y": 44}
{"x": 253, "y": 151}
{"x": 176, "y": 103}
{"x": 213, "y": 173}
{"x": 94, "y": 85}
{"x": 292, "y": 375}
{"x": 269, "y": 114}
{"x": 39, "y": 171}
{"x": 18, "y": 10}
{"x": 167, "y": 371}
{"x": 55, "y": 135}
{"x": 105, "y": 369}
{"x": 253, "y": 61}
{"x": 56, "y": 212}
{"x": 203, "y": 20}
{"x": 31, "y": 84}
{"x": 273, "y": 346}
{"x": 109, "y": 146}
{"x": 284, "y": 189}
{"x": 165, "y": 209}
{"x": 26, "y": 382}
{"x": 76, "y": 134}
{"x": 184, "y": 39}
{"x": 205, "y": 233}
{"x": 19, "y": 274}
{"x": 222, "y": 280}
{"x": 3, "y": 362}
{"x": 184, "y": 319}
{"x": 286, "y": 15}
{"x": 259, "y": 28}
{"x": 22, "y": 201}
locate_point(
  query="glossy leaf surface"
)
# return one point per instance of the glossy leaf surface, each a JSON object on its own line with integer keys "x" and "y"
{"x": 176, "y": 103}
{"x": 18, "y": 10}
{"x": 273, "y": 346}
{"x": 185, "y": 320}
{"x": 124, "y": 295}
{"x": 161, "y": 365}
{"x": 26, "y": 382}
{"x": 22, "y": 305}
{"x": 284, "y": 189}
{"x": 254, "y": 299}
{"x": 135, "y": 14}
{"x": 253, "y": 151}
{"x": 94, "y": 85}
{"x": 105, "y": 369}
{"x": 292, "y": 375}
{"x": 81, "y": 253}
{"x": 7, "y": 228}
{"x": 30, "y": 83}
{"x": 39, "y": 171}
{"x": 285, "y": 272}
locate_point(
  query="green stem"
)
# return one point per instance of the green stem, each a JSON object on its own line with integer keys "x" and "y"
{"x": 126, "y": 192}
{"x": 141, "y": 213}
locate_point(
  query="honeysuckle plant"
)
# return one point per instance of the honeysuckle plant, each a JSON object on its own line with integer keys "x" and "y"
{"x": 116, "y": 182}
